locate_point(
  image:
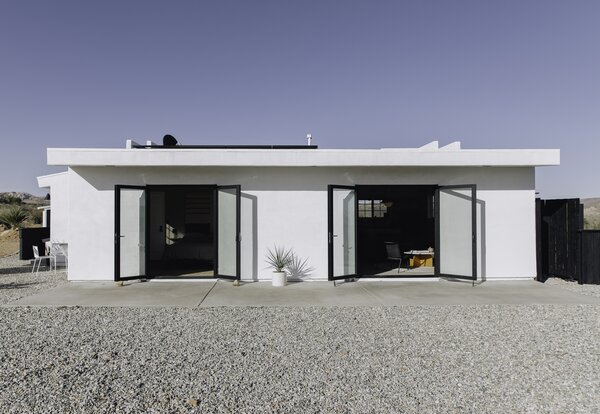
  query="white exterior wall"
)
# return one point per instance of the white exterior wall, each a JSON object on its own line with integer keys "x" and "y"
{"x": 59, "y": 205}
{"x": 287, "y": 206}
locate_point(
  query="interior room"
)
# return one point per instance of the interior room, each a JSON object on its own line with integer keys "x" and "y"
{"x": 181, "y": 232}
{"x": 396, "y": 230}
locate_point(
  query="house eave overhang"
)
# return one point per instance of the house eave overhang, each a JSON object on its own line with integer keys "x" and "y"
{"x": 46, "y": 181}
{"x": 179, "y": 157}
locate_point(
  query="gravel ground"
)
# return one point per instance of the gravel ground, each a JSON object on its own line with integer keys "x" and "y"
{"x": 590, "y": 290}
{"x": 17, "y": 281}
{"x": 475, "y": 359}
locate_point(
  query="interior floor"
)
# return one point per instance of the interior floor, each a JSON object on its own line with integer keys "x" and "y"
{"x": 394, "y": 271}
{"x": 396, "y": 223}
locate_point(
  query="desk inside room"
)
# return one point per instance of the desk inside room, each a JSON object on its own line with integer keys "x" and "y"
{"x": 420, "y": 258}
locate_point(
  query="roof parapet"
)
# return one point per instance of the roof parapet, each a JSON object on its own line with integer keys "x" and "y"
{"x": 453, "y": 146}
{"x": 433, "y": 145}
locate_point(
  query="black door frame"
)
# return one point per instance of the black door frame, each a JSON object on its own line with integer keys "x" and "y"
{"x": 238, "y": 237}
{"x": 330, "y": 234}
{"x": 439, "y": 251}
{"x": 436, "y": 187}
{"x": 117, "y": 235}
{"x": 147, "y": 190}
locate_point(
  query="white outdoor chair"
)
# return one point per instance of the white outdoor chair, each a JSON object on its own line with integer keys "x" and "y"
{"x": 39, "y": 259}
{"x": 58, "y": 250}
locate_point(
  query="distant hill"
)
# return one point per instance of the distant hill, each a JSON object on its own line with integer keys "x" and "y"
{"x": 25, "y": 197}
{"x": 591, "y": 212}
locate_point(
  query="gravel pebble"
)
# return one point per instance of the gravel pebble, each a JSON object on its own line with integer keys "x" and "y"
{"x": 416, "y": 359}
{"x": 590, "y": 290}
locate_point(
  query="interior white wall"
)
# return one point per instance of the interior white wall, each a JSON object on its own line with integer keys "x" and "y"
{"x": 288, "y": 206}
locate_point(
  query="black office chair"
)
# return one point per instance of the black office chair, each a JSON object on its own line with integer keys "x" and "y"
{"x": 394, "y": 253}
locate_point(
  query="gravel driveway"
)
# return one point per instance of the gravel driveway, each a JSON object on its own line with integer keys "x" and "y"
{"x": 494, "y": 358}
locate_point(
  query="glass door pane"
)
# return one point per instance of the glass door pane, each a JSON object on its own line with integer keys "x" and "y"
{"x": 342, "y": 232}
{"x": 130, "y": 232}
{"x": 455, "y": 254}
{"x": 228, "y": 230}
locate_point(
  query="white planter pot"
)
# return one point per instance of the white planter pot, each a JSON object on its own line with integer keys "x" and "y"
{"x": 278, "y": 279}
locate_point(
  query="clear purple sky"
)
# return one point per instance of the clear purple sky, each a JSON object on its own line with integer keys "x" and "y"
{"x": 505, "y": 74}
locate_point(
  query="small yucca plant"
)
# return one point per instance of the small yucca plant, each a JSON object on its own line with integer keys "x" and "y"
{"x": 279, "y": 258}
{"x": 13, "y": 217}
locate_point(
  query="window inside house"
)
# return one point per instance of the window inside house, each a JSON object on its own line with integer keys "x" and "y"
{"x": 373, "y": 208}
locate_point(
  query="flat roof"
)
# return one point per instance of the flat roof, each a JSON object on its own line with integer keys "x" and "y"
{"x": 430, "y": 155}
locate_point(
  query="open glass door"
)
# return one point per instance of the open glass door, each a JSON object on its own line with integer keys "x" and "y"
{"x": 456, "y": 244}
{"x": 130, "y": 232}
{"x": 342, "y": 231}
{"x": 227, "y": 263}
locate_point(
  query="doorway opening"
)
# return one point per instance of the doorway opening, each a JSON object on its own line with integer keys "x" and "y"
{"x": 181, "y": 232}
{"x": 396, "y": 230}
{"x": 402, "y": 231}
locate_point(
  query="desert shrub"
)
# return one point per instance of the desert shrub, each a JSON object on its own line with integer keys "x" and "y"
{"x": 591, "y": 223}
{"x": 9, "y": 199}
{"x": 36, "y": 216}
{"x": 13, "y": 217}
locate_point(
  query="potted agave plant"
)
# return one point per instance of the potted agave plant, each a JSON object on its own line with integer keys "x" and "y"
{"x": 279, "y": 258}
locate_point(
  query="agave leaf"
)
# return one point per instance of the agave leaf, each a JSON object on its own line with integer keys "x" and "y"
{"x": 13, "y": 217}
{"x": 279, "y": 258}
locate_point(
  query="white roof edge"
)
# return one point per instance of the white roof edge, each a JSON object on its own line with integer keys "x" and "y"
{"x": 46, "y": 180}
{"x": 449, "y": 155}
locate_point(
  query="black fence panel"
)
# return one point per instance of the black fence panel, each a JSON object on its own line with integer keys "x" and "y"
{"x": 558, "y": 224}
{"x": 32, "y": 237}
{"x": 541, "y": 243}
{"x": 590, "y": 257}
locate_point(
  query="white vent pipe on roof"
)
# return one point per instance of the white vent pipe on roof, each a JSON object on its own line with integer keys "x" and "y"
{"x": 309, "y": 139}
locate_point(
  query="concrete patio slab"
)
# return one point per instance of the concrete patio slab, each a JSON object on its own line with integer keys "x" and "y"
{"x": 449, "y": 292}
{"x": 361, "y": 293}
{"x": 132, "y": 294}
{"x": 294, "y": 294}
{"x": 392, "y": 293}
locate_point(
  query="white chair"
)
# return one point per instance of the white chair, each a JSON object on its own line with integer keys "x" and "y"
{"x": 59, "y": 250}
{"x": 38, "y": 260}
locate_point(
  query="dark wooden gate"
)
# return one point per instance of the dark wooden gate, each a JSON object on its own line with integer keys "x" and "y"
{"x": 590, "y": 257}
{"x": 558, "y": 236}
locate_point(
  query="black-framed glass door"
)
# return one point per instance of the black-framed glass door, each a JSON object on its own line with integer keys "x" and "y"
{"x": 456, "y": 238}
{"x": 228, "y": 237}
{"x": 342, "y": 231}
{"x": 130, "y": 232}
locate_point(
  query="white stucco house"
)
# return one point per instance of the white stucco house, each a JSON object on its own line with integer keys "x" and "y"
{"x": 150, "y": 211}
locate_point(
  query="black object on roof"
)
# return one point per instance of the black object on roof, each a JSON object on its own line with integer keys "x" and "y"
{"x": 275, "y": 147}
{"x": 169, "y": 141}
